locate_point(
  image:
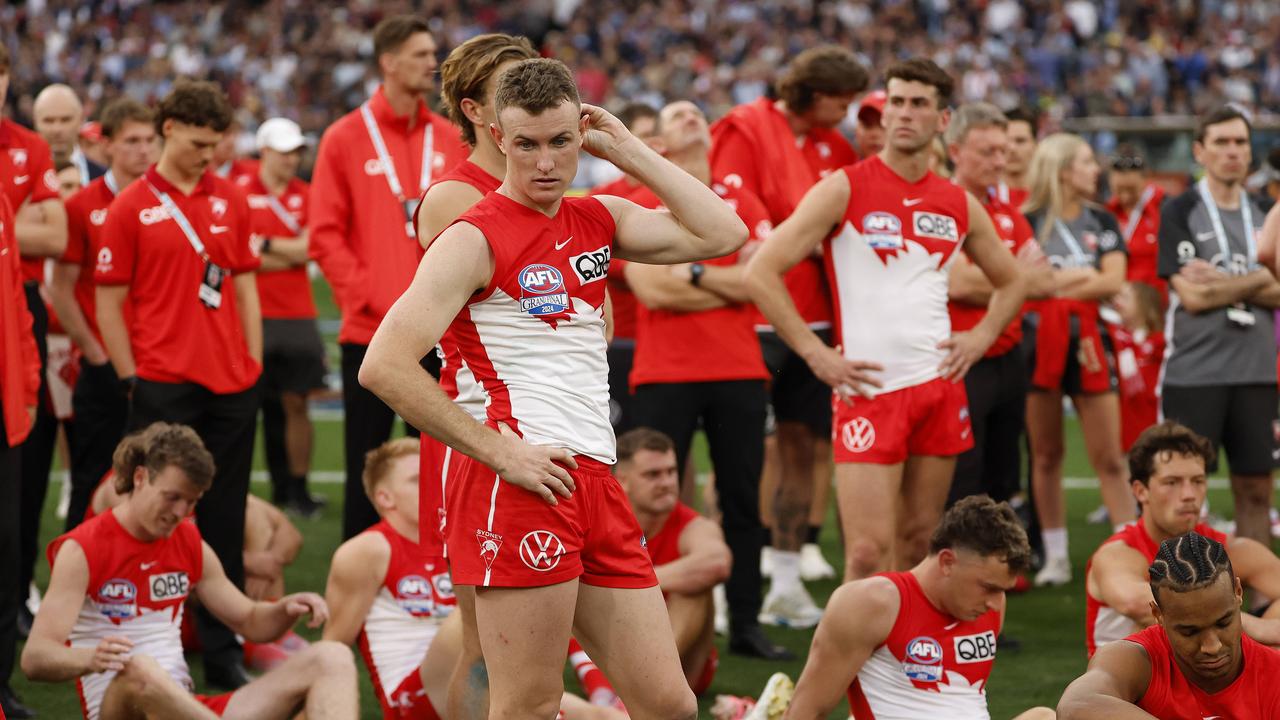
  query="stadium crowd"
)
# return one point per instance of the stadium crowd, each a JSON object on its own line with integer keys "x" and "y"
{"x": 886, "y": 315}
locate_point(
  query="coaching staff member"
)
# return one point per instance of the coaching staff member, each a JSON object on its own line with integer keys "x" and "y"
{"x": 176, "y": 247}
{"x": 373, "y": 165}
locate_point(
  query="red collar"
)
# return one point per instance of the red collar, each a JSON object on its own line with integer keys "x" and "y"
{"x": 386, "y": 117}
{"x": 203, "y": 187}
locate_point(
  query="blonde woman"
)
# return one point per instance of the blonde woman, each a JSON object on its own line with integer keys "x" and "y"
{"x": 1071, "y": 354}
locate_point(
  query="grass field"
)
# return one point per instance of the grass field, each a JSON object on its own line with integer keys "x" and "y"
{"x": 1050, "y": 623}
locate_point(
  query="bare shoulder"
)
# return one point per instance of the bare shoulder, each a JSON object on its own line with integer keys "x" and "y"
{"x": 363, "y": 556}
{"x": 875, "y": 598}
{"x": 1117, "y": 554}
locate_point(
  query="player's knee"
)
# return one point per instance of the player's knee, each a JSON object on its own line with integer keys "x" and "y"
{"x": 675, "y": 703}
{"x": 1039, "y": 713}
{"x": 330, "y": 659}
{"x": 864, "y": 556}
{"x": 1047, "y": 455}
{"x": 142, "y": 677}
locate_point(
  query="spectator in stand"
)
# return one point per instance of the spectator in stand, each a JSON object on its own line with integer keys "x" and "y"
{"x": 1219, "y": 376}
{"x": 1021, "y": 130}
{"x": 1135, "y": 202}
{"x": 996, "y": 385}
{"x": 1071, "y": 353}
{"x": 19, "y": 387}
{"x": 869, "y": 136}
{"x": 642, "y": 121}
{"x": 1139, "y": 349}
{"x": 176, "y": 248}
{"x": 292, "y": 352}
{"x": 777, "y": 150}
{"x": 698, "y": 362}
{"x": 372, "y": 167}
{"x": 100, "y": 408}
{"x": 58, "y": 117}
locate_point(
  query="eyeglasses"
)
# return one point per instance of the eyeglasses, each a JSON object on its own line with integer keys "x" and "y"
{"x": 1130, "y": 162}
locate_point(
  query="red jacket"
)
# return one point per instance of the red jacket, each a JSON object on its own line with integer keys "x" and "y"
{"x": 19, "y": 362}
{"x": 358, "y": 227}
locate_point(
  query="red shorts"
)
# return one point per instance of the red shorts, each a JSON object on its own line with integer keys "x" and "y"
{"x": 409, "y": 701}
{"x": 437, "y": 464}
{"x": 216, "y": 703}
{"x": 931, "y": 418}
{"x": 500, "y": 535}
{"x": 708, "y": 673}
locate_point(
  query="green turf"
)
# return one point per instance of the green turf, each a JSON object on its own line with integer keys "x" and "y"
{"x": 1049, "y": 623}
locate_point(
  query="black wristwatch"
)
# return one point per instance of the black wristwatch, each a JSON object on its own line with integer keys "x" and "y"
{"x": 266, "y": 245}
{"x": 695, "y": 273}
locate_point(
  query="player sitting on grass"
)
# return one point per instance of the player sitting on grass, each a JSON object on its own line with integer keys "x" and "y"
{"x": 1195, "y": 663}
{"x": 1167, "y": 466}
{"x": 112, "y": 616}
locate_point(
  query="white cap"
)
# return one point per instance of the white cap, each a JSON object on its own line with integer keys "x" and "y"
{"x": 280, "y": 134}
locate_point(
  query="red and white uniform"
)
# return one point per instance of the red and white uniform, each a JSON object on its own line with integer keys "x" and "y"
{"x": 437, "y": 461}
{"x": 1103, "y": 624}
{"x": 1015, "y": 232}
{"x": 931, "y": 665}
{"x": 1141, "y": 228}
{"x": 1013, "y": 197}
{"x": 534, "y": 338}
{"x": 709, "y": 345}
{"x": 754, "y": 147}
{"x": 19, "y": 362}
{"x": 86, "y": 216}
{"x": 284, "y": 294}
{"x": 136, "y": 590}
{"x": 26, "y": 175}
{"x": 888, "y": 264}
{"x": 414, "y": 599}
{"x": 1138, "y": 358}
{"x": 1170, "y": 696}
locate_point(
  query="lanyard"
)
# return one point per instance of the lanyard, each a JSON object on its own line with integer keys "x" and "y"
{"x": 110, "y": 180}
{"x": 1246, "y": 216}
{"x": 1002, "y": 192}
{"x": 289, "y": 221}
{"x": 82, "y": 165}
{"x": 388, "y": 167}
{"x": 1135, "y": 215}
{"x": 1064, "y": 232}
{"x": 176, "y": 213}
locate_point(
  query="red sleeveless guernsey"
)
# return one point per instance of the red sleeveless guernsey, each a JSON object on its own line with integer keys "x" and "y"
{"x": 1102, "y": 623}
{"x": 1255, "y": 695}
{"x": 664, "y": 546}
{"x": 931, "y": 665}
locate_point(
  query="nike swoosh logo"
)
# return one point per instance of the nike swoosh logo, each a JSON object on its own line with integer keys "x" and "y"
{"x": 216, "y": 229}
{"x": 148, "y": 566}
{"x": 1206, "y": 236}
{"x": 563, "y": 242}
{"x": 951, "y": 625}
{"x": 20, "y": 179}
{"x": 909, "y": 203}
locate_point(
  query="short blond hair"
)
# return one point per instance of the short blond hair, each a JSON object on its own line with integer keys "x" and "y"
{"x": 378, "y": 462}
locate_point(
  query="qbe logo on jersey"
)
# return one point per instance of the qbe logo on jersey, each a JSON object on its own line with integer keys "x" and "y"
{"x": 542, "y": 290}
{"x": 413, "y": 593}
{"x": 923, "y": 662}
{"x": 169, "y": 586}
{"x": 591, "y": 266}
{"x": 976, "y": 648}
{"x": 933, "y": 225}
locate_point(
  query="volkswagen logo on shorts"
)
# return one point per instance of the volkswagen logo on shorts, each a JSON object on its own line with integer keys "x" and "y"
{"x": 541, "y": 550}
{"x": 858, "y": 435}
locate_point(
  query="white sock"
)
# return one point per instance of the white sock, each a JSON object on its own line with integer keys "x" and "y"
{"x": 786, "y": 571}
{"x": 1055, "y": 543}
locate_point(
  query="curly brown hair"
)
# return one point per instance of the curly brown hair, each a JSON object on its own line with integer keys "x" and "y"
{"x": 194, "y": 102}
{"x": 158, "y": 446}
{"x": 1162, "y": 441}
{"x": 826, "y": 69}
{"x": 984, "y": 526}
{"x": 466, "y": 72}
{"x": 535, "y": 86}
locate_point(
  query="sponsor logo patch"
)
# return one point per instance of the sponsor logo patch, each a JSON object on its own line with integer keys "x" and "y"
{"x": 541, "y": 550}
{"x": 413, "y": 593}
{"x": 975, "y": 648}
{"x": 933, "y": 225}
{"x": 169, "y": 586}
{"x": 118, "y": 599}
{"x": 591, "y": 266}
{"x": 882, "y": 230}
{"x": 858, "y": 435}
{"x": 542, "y": 289}
{"x": 923, "y": 662}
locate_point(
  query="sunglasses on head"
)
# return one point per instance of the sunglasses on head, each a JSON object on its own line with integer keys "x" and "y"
{"x": 1128, "y": 163}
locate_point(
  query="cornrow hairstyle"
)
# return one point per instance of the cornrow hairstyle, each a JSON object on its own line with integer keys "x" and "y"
{"x": 1188, "y": 562}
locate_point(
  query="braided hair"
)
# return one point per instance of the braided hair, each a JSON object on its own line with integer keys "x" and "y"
{"x": 1188, "y": 562}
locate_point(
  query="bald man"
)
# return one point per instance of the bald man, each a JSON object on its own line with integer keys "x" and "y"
{"x": 58, "y": 117}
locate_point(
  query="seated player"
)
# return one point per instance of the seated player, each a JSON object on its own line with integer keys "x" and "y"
{"x": 1167, "y": 466}
{"x": 689, "y": 552}
{"x": 1195, "y": 663}
{"x": 397, "y": 601}
{"x": 921, "y": 643}
{"x": 111, "y": 618}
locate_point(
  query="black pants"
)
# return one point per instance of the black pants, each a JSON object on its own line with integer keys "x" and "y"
{"x": 732, "y": 415}
{"x": 368, "y": 425}
{"x": 226, "y": 424}
{"x": 11, "y": 593}
{"x": 101, "y": 412}
{"x": 997, "y": 390}
{"x": 274, "y": 446}
{"x": 622, "y": 413}
{"x": 37, "y": 449}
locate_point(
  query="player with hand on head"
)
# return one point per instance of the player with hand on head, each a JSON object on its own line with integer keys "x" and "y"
{"x": 111, "y": 619}
{"x": 535, "y": 517}
{"x": 900, "y": 413}
{"x": 1196, "y": 662}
